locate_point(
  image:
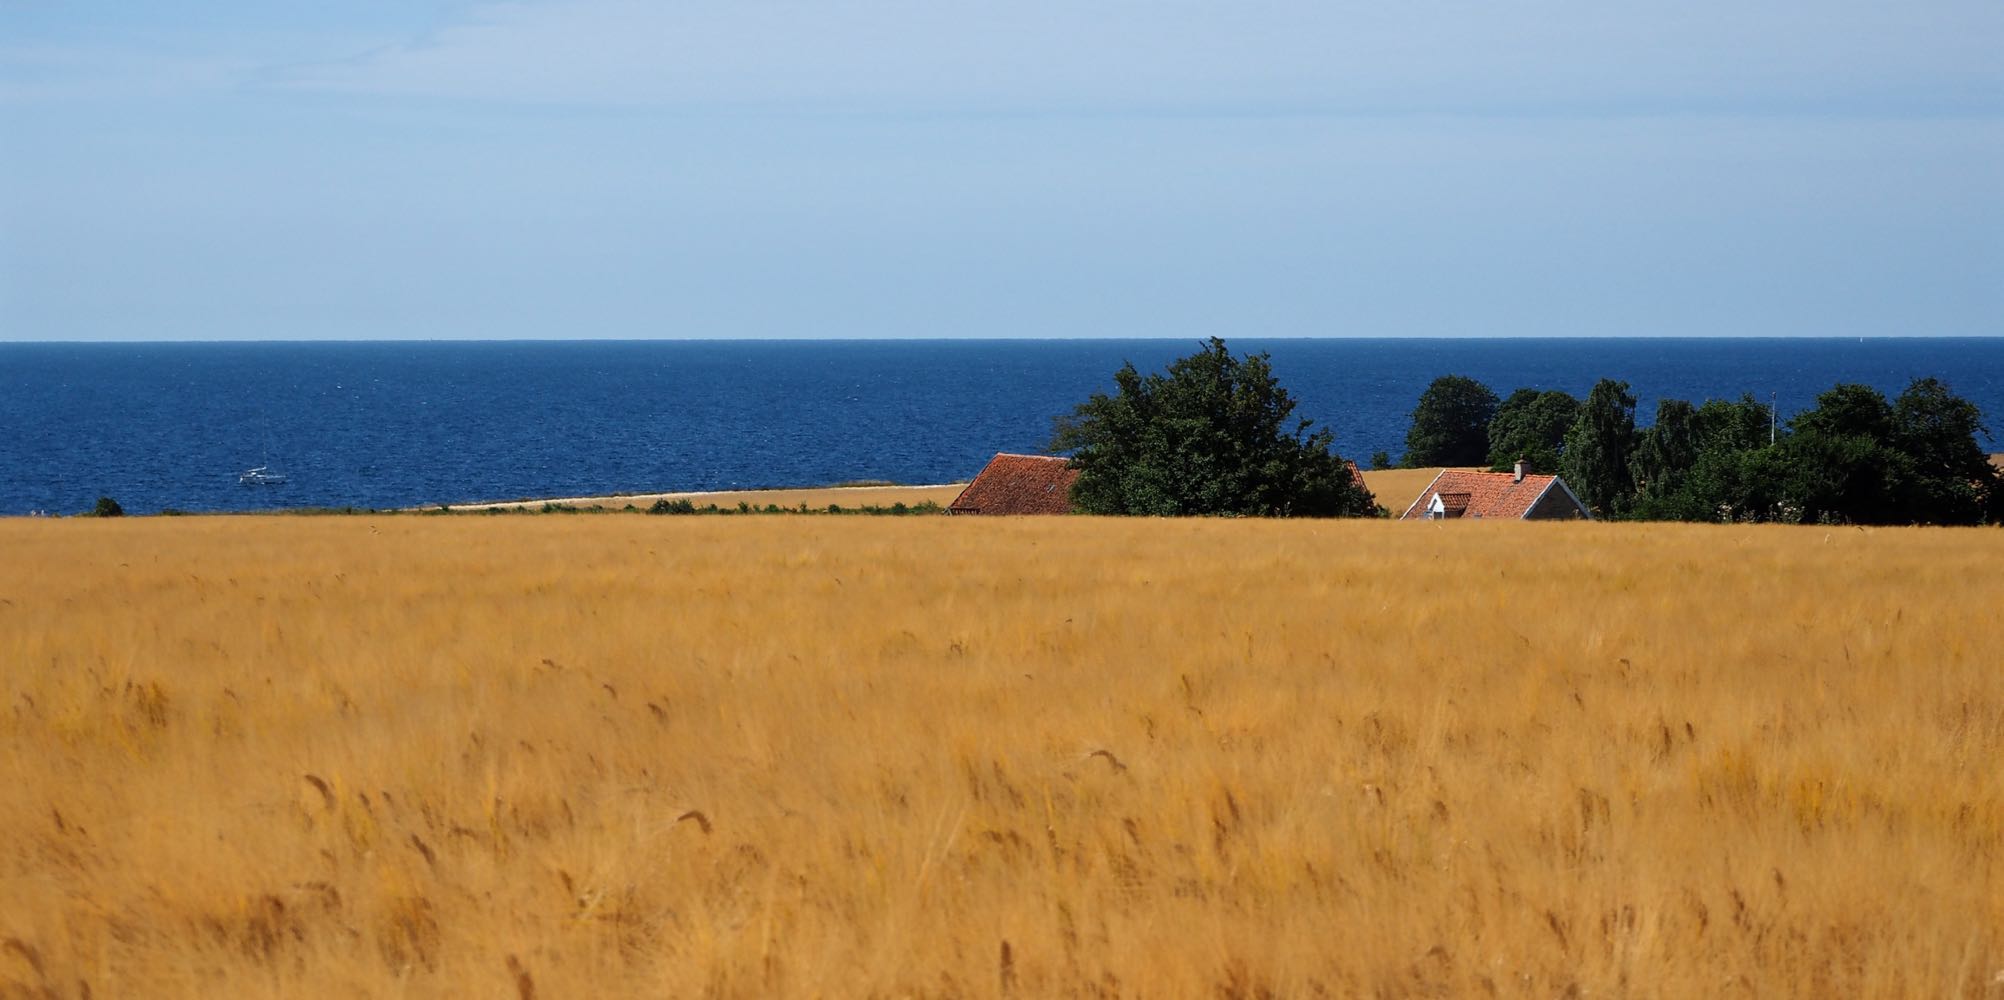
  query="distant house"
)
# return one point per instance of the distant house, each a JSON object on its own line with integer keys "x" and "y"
{"x": 1019, "y": 484}
{"x": 1496, "y": 496}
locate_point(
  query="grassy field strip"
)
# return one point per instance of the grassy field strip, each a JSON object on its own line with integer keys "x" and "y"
{"x": 816, "y": 498}
{"x": 1395, "y": 489}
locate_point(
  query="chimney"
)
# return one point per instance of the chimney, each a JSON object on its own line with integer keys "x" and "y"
{"x": 1520, "y": 471}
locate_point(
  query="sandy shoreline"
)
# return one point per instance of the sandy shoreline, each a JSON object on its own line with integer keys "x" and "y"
{"x": 816, "y": 498}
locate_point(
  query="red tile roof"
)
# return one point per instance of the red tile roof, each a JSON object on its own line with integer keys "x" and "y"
{"x": 1486, "y": 495}
{"x": 1019, "y": 484}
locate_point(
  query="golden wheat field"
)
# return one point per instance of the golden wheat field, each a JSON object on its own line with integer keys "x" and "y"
{"x": 738, "y": 757}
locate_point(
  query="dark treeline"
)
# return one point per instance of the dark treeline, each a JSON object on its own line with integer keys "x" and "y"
{"x": 1854, "y": 458}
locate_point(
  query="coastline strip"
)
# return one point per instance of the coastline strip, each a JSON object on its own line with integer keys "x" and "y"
{"x": 815, "y": 497}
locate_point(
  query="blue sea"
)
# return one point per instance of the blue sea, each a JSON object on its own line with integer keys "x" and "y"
{"x": 397, "y": 424}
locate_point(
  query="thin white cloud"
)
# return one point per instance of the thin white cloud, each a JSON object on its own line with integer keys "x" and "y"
{"x": 1033, "y": 54}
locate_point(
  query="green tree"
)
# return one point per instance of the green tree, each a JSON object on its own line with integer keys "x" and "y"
{"x": 1531, "y": 426}
{"x": 1838, "y": 463}
{"x": 1598, "y": 446}
{"x": 1734, "y": 425}
{"x": 1839, "y": 478}
{"x": 1724, "y": 484}
{"x": 1450, "y": 426}
{"x": 1707, "y": 465}
{"x": 1666, "y": 451}
{"x": 1857, "y": 458}
{"x": 1212, "y": 436}
{"x": 1952, "y": 481}
{"x": 1848, "y": 410}
{"x": 1853, "y": 458}
{"x": 107, "y": 507}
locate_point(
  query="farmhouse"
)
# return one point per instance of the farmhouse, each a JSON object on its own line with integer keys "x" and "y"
{"x": 1019, "y": 484}
{"x": 1495, "y": 496}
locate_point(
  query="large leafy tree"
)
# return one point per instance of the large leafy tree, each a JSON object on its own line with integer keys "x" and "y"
{"x": 1858, "y": 458}
{"x": 1598, "y": 446}
{"x": 1953, "y": 481}
{"x": 1736, "y": 425}
{"x": 1848, "y": 410}
{"x": 1838, "y": 462}
{"x": 1215, "y": 435}
{"x": 1450, "y": 426}
{"x": 1698, "y": 463}
{"x": 1706, "y": 463}
{"x": 1666, "y": 451}
{"x": 1844, "y": 478}
{"x": 1531, "y": 427}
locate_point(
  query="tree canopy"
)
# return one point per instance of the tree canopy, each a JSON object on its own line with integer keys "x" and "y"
{"x": 1852, "y": 458}
{"x": 1450, "y": 426}
{"x": 1598, "y": 446}
{"x": 1666, "y": 451}
{"x": 1212, "y": 436}
{"x": 1531, "y": 427}
{"x": 1953, "y": 480}
{"x": 1692, "y": 460}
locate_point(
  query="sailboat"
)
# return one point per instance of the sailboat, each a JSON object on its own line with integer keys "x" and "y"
{"x": 261, "y": 475}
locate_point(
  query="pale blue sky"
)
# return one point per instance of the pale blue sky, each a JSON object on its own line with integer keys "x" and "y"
{"x": 1035, "y": 168}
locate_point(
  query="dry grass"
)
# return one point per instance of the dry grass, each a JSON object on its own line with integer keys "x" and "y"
{"x": 816, "y": 498}
{"x": 1395, "y": 489}
{"x": 562, "y": 757}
